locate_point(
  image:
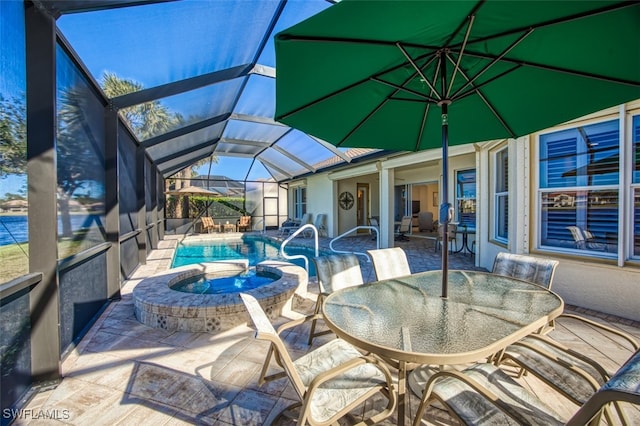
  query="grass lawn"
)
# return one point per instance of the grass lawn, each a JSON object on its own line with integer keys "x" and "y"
{"x": 14, "y": 261}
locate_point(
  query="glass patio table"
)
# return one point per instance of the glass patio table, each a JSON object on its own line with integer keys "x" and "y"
{"x": 406, "y": 319}
{"x": 465, "y": 231}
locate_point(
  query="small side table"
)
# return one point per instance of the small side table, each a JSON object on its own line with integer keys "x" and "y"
{"x": 229, "y": 227}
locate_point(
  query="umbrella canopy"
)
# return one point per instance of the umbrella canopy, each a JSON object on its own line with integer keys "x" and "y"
{"x": 191, "y": 190}
{"x": 414, "y": 75}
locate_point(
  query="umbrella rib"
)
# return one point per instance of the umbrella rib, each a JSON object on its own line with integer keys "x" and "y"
{"x": 492, "y": 63}
{"x": 562, "y": 20}
{"x": 404, "y": 89}
{"x": 433, "y": 55}
{"x": 486, "y": 101}
{"x": 323, "y": 98}
{"x": 361, "y": 123}
{"x": 476, "y": 87}
{"x": 419, "y": 71}
{"x": 557, "y": 69}
{"x": 426, "y": 111}
{"x": 377, "y": 108}
{"x": 422, "y": 126}
{"x": 288, "y": 37}
{"x": 471, "y": 14}
{"x": 344, "y": 89}
{"x": 457, "y": 65}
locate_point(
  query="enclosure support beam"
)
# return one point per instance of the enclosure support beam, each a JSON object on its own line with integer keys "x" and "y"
{"x": 112, "y": 203}
{"x": 41, "y": 169}
{"x": 141, "y": 205}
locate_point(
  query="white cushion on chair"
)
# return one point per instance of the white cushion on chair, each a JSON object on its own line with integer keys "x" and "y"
{"x": 339, "y": 392}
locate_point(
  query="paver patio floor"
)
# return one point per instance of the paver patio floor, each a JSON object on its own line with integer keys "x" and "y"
{"x": 125, "y": 373}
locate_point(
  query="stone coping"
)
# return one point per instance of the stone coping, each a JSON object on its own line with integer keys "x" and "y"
{"x": 157, "y": 305}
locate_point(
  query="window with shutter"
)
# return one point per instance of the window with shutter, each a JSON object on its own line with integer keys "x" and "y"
{"x": 501, "y": 196}
{"x": 579, "y": 187}
{"x": 636, "y": 185}
{"x": 466, "y": 197}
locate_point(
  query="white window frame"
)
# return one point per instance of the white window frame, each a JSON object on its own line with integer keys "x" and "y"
{"x": 634, "y": 188}
{"x": 626, "y": 190}
{"x": 299, "y": 201}
{"x": 500, "y": 194}
{"x": 458, "y": 212}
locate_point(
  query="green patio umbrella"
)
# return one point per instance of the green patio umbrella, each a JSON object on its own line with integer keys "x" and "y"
{"x": 414, "y": 75}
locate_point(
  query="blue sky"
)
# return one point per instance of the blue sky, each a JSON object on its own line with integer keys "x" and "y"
{"x": 12, "y": 184}
{"x": 141, "y": 44}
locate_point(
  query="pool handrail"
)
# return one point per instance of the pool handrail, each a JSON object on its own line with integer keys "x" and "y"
{"x": 260, "y": 221}
{"x": 351, "y": 231}
{"x": 300, "y": 256}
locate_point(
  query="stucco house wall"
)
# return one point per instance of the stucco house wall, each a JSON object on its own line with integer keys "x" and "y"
{"x": 320, "y": 199}
{"x": 610, "y": 286}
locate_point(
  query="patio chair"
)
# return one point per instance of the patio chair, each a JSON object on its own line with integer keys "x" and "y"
{"x": 624, "y": 386}
{"x": 321, "y": 224}
{"x": 334, "y": 272}
{"x": 289, "y": 227}
{"x": 244, "y": 223}
{"x": 451, "y": 236}
{"x": 373, "y": 221}
{"x": 389, "y": 263}
{"x": 566, "y": 370}
{"x": 404, "y": 229}
{"x": 425, "y": 222}
{"x": 584, "y": 239}
{"x": 208, "y": 224}
{"x": 533, "y": 269}
{"x": 483, "y": 394}
{"x": 330, "y": 381}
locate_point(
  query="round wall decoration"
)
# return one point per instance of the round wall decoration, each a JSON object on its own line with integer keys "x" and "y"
{"x": 346, "y": 200}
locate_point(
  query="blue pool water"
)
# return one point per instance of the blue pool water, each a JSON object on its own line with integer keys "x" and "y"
{"x": 246, "y": 281}
{"x": 254, "y": 248}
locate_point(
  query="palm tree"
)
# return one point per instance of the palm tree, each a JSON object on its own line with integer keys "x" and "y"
{"x": 146, "y": 120}
{"x": 13, "y": 136}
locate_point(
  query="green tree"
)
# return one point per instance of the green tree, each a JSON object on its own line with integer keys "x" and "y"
{"x": 79, "y": 152}
{"x": 146, "y": 120}
{"x": 13, "y": 136}
{"x": 80, "y": 156}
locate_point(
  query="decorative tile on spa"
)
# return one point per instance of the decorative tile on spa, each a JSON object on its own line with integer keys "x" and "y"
{"x": 132, "y": 327}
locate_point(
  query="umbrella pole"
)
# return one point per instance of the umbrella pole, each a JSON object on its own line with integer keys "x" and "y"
{"x": 445, "y": 207}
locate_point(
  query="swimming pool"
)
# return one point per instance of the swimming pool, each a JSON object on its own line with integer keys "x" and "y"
{"x": 252, "y": 247}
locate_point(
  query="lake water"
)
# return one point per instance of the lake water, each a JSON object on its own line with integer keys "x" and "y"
{"x": 15, "y": 228}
